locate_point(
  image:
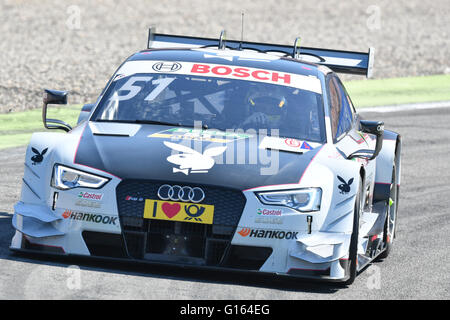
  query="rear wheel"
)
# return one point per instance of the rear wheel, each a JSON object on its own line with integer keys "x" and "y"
{"x": 353, "y": 251}
{"x": 391, "y": 217}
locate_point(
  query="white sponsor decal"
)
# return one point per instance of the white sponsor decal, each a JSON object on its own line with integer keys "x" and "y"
{"x": 309, "y": 83}
{"x": 191, "y": 161}
{"x": 91, "y": 196}
{"x": 267, "y": 234}
{"x": 269, "y": 212}
{"x": 90, "y": 217}
{"x": 287, "y": 144}
{"x": 87, "y": 203}
{"x": 269, "y": 220}
{"x": 199, "y": 135}
{"x": 232, "y": 55}
{"x": 132, "y": 89}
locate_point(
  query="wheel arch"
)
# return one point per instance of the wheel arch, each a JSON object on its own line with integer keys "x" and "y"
{"x": 389, "y": 156}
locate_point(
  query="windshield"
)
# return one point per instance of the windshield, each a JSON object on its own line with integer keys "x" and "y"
{"x": 219, "y": 103}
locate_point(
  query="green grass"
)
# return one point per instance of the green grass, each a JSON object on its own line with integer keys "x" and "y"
{"x": 16, "y": 128}
{"x": 380, "y": 92}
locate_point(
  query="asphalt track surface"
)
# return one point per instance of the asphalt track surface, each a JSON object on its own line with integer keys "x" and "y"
{"x": 418, "y": 267}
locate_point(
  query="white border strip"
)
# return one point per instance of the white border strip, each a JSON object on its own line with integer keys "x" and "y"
{"x": 236, "y": 72}
{"x": 406, "y": 107}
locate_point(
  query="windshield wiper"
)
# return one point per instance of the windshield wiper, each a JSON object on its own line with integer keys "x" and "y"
{"x": 204, "y": 126}
{"x": 162, "y": 123}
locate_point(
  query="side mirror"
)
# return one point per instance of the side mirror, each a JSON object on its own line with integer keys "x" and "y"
{"x": 54, "y": 97}
{"x": 371, "y": 127}
{"x": 376, "y": 128}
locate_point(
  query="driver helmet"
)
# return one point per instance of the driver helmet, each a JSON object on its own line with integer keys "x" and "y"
{"x": 272, "y": 104}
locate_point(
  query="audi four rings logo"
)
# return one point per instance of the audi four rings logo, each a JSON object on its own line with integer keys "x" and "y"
{"x": 178, "y": 193}
{"x": 166, "y": 66}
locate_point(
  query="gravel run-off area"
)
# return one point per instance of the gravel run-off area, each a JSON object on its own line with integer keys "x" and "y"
{"x": 77, "y": 45}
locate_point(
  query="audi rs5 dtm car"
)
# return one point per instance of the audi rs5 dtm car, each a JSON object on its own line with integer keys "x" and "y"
{"x": 217, "y": 154}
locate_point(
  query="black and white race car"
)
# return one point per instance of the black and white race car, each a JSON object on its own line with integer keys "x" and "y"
{"x": 217, "y": 154}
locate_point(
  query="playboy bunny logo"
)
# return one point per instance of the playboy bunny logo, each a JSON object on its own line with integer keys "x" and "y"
{"x": 345, "y": 186}
{"x": 39, "y": 156}
{"x": 191, "y": 161}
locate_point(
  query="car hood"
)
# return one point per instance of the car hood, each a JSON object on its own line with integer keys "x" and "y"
{"x": 193, "y": 156}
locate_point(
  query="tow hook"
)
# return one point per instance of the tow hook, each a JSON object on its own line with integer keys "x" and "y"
{"x": 309, "y": 219}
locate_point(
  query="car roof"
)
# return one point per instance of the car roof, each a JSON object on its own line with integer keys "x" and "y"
{"x": 251, "y": 59}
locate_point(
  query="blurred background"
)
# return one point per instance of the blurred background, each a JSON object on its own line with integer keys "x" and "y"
{"x": 77, "y": 45}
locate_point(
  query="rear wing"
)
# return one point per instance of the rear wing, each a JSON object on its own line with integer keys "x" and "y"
{"x": 359, "y": 63}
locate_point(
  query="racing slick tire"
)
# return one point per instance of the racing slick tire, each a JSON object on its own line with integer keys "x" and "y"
{"x": 391, "y": 217}
{"x": 353, "y": 251}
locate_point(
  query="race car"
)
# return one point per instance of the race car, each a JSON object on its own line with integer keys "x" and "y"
{"x": 217, "y": 154}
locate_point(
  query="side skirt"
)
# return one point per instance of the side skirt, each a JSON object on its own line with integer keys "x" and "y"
{"x": 373, "y": 241}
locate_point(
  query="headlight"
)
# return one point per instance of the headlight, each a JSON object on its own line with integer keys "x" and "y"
{"x": 65, "y": 178}
{"x": 304, "y": 200}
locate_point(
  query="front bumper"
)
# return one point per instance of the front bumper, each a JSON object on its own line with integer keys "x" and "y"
{"x": 55, "y": 252}
{"x": 220, "y": 246}
{"x": 111, "y": 247}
